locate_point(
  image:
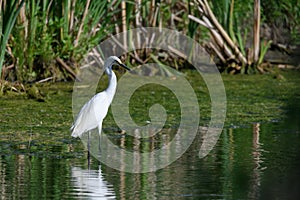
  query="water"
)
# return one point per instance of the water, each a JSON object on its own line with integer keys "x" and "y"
{"x": 257, "y": 162}
{"x": 256, "y": 157}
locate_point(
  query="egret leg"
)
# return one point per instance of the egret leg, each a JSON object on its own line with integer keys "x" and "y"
{"x": 99, "y": 131}
{"x": 88, "y": 146}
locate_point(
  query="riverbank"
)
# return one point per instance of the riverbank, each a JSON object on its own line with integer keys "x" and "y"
{"x": 250, "y": 99}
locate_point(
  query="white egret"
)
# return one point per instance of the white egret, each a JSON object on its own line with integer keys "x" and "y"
{"x": 94, "y": 111}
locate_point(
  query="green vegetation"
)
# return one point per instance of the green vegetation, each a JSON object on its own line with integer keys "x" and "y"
{"x": 7, "y": 20}
{"x": 45, "y": 39}
{"x": 50, "y": 37}
{"x": 248, "y": 101}
{"x": 283, "y": 15}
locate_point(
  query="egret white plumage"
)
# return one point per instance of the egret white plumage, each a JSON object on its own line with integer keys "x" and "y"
{"x": 94, "y": 111}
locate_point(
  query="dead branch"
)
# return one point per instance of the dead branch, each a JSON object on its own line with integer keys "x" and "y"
{"x": 256, "y": 31}
{"x": 82, "y": 22}
{"x": 223, "y": 42}
{"x": 64, "y": 65}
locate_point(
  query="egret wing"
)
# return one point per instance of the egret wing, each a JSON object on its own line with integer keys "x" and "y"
{"x": 90, "y": 115}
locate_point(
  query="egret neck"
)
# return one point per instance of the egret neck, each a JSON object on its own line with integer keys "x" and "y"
{"x": 112, "y": 84}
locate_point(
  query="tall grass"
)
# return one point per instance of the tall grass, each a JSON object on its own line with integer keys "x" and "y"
{"x": 236, "y": 19}
{"x": 240, "y": 18}
{"x": 47, "y": 29}
{"x": 43, "y": 39}
{"x": 8, "y": 14}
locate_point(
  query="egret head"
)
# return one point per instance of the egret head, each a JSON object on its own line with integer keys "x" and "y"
{"x": 112, "y": 60}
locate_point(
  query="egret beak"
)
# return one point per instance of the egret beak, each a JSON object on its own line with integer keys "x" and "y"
{"x": 122, "y": 65}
